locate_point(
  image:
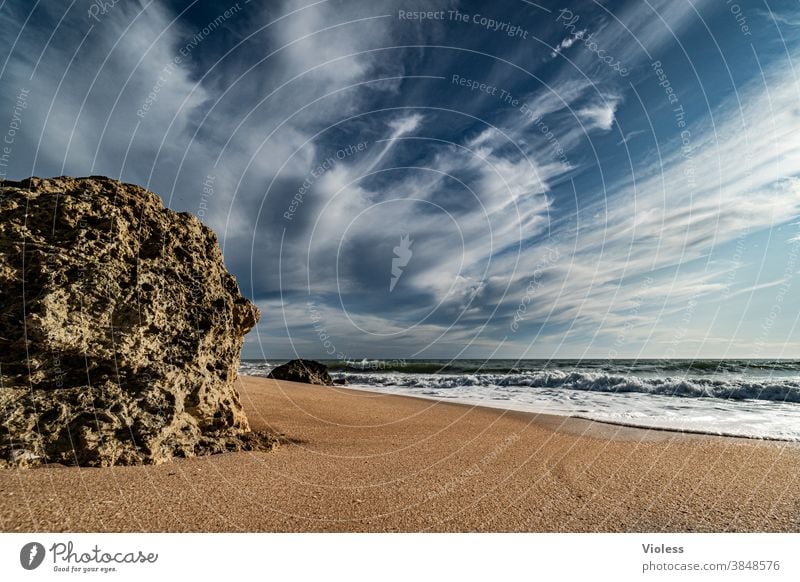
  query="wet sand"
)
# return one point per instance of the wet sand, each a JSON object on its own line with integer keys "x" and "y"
{"x": 358, "y": 461}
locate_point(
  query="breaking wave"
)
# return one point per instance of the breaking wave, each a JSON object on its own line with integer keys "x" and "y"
{"x": 775, "y": 390}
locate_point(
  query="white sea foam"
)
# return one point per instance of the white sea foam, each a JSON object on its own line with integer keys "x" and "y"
{"x": 776, "y": 390}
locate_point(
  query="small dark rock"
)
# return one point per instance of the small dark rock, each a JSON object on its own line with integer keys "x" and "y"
{"x": 305, "y": 371}
{"x": 340, "y": 381}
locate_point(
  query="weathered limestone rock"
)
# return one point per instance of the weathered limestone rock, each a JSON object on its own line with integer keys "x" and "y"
{"x": 120, "y": 328}
{"x": 306, "y": 371}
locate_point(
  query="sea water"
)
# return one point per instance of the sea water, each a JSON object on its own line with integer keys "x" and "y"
{"x": 747, "y": 398}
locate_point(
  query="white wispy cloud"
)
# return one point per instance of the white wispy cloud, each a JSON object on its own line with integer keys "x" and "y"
{"x": 630, "y": 135}
{"x": 779, "y": 16}
{"x": 599, "y": 115}
{"x": 567, "y": 42}
{"x": 741, "y": 177}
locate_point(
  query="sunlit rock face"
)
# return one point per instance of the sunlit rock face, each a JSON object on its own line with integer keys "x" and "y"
{"x": 120, "y": 328}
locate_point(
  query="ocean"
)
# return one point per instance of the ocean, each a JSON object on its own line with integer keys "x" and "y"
{"x": 745, "y": 398}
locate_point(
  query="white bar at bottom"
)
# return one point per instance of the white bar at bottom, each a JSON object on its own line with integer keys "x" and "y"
{"x": 378, "y": 557}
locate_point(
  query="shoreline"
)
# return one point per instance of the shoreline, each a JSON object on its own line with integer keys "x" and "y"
{"x": 360, "y": 461}
{"x": 630, "y": 425}
{"x": 738, "y": 399}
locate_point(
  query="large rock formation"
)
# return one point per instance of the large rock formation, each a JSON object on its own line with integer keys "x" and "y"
{"x": 306, "y": 371}
{"x": 120, "y": 328}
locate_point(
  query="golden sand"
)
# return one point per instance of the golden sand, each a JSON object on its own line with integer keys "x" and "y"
{"x": 359, "y": 461}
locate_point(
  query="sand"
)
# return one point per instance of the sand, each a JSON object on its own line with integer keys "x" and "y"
{"x": 359, "y": 461}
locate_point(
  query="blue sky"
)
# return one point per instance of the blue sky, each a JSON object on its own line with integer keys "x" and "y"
{"x": 498, "y": 179}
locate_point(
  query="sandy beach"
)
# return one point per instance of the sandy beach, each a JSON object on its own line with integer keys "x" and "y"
{"x": 357, "y": 461}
